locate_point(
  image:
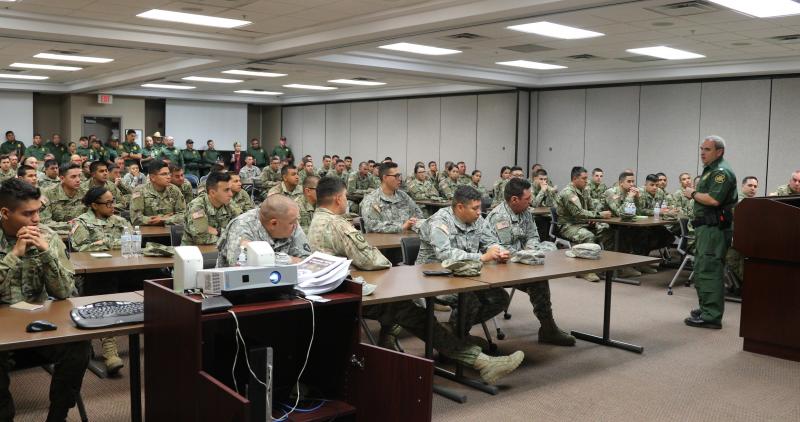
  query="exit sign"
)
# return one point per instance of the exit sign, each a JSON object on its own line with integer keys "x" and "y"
{"x": 105, "y": 99}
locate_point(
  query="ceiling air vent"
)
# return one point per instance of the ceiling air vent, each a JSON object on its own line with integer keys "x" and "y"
{"x": 14, "y": 70}
{"x": 639, "y": 59}
{"x": 685, "y": 8}
{"x": 465, "y": 36}
{"x": 65, "y": 52}
{"x": 526, "y": 48}
{"x": 786, "y": 39}
{"x": 584, "y": 58}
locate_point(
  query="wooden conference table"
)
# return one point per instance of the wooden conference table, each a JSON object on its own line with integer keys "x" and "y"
{"x": 387, "y": 240}
{"x": 14, "y": 337}
{"x": 148, "y": 232}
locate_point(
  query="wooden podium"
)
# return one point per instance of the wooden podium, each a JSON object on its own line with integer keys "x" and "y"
{"x": 766, "y": 233}
{"x": 189, "y": 356}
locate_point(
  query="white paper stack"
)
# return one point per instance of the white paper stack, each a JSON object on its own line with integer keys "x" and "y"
{"x": 321, "y": 273}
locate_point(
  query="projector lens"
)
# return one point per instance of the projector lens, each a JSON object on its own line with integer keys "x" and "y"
{"x": 275, "y": 277}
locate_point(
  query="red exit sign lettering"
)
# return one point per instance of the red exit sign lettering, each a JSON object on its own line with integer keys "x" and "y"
{"x": 105, "y": 99}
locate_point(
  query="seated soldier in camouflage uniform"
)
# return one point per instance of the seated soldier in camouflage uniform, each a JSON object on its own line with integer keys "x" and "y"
{"x": 596, "y": 186}
{"x": 500, "y": 186}
{"x": 475, "y": 182}
{"x": 208, "y": 214}
{"x": 35, "y": 266}
{"x": 98, "y": 229}
{"x": 275, "y": 221}
{"x": 655, "y": 237}
{"x": 249, "y": 173}
{"x": 457, "y": 233}
{"x": 680, "y": 202}
{"x": 388, "y": 209}
{"x": 290, "y": 186}
{"x": 62, "y": 203}
{"x": 99, "y": 170}
{"x": 50, "y": 175}
{"x": 511, "y": 226}
{"x": 574, "y": 206}
{"x": 791, "y": 188}
{"x": 448, "y": 185}
{"x": 178, "y": 178}
{"x": 543, "y": 194}
{"x": 28, "y": 174}
{"x": 307, "y": 202}
{"x": 159, "y": 202}
{"x": 361, "y": 182}
{"x": 270, "y": 175}
{"x": 615, "y": 199}
{"x": 306, "y": 169}
{"x": 241, "y": 198}
{"x": 331, "y": 233}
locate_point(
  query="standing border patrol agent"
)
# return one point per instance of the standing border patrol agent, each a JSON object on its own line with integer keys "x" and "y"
{"x": 714, "y": 200}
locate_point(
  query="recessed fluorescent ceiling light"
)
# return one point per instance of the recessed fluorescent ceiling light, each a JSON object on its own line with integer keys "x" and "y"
{"x": 663, "y": 52}
{"x": 31, "y": 77}
{"x": 531, "y": 65}
{"x": 71, "y": 58}
{"x": 314, "y": 87}
{"x": 167, "y": 86}
{"x": 213, "y": 80}
{"x": 44, "y": 66}
{"x": 253, "y": 73}
{"x": 356, "y": 82}
{"x": 191, "y": 18}
{"x": 419, "y": 49}
{"x": 250, "y": 91}
{"x": 549, "y": 29}
{"x": 762, "y": 8}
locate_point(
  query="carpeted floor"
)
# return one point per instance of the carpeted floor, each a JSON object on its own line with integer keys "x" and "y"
{"x": 685, "y": 374}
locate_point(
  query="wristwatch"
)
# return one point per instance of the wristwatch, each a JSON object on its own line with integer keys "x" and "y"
{"x": 693, "y": 194}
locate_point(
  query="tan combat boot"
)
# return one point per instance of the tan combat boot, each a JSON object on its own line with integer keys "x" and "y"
{"x": 628, "y": 272}
{"x": 647, "y": 269}
{"x": 494, "y": 368}
{"x": 111, "y": 356}
{"x": 590, "y": 277}
{"x": 550, "y": 333}
{"x": 388, "y": 338}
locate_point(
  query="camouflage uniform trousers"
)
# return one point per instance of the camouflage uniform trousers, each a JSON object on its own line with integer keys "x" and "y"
{"x": 71, "y": 360}
{"x": 539, "y": 295}
{"x": 480, "y": 307}
{"x": 413, "y": 318}
{"x": 580, "y": 233}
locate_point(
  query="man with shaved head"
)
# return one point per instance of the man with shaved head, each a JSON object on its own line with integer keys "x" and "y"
{"x": 275, "y": 221}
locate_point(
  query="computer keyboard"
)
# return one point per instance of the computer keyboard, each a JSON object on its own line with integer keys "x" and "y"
{"x": 107, "y": 314}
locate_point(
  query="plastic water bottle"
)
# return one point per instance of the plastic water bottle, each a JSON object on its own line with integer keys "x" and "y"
{"x": 241, "y": 261}
{"x": 125, "y": 243}
{"x": 657, "y": 212}
{"x": 136, "y": 242}
{"x": 630, "y": 208}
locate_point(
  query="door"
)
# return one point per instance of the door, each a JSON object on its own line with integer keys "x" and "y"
{"x": 389, "y": 386}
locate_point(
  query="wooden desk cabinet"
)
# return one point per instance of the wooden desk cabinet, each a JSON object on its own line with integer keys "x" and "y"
{"x": 189, "y": 356}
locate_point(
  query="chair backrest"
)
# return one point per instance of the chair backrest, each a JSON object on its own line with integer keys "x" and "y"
{"x": 486, "y": 203}
{"x": 192, "y": 179}
{"x": 553, "y": 223}
{"x": 358, "y": 223}
{"x": 410, "y": 248}
{"x": 175, "y": 234}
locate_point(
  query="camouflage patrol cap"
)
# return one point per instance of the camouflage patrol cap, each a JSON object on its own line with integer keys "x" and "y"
{"x": 157, "y": 249}
{"x": 584, "y": 250}
{"x": 463, "y": 268}
{"x": 529, "y": 257}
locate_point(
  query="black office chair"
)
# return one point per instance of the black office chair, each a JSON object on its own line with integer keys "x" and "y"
{"x": 358, "y": 223}
{"x": 175, "y": 234}
{"x": 555, "y": 232}
{"x": 410, "y": 248}
{"x": 486, "y": 204}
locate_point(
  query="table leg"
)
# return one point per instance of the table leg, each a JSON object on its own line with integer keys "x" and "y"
{"x": 617, "y": 232}
{"x": 135, "y": 378}
{"x": 606, "y": 340}
{"x": 430, "y": 319}
{"x": 366, "y": 331}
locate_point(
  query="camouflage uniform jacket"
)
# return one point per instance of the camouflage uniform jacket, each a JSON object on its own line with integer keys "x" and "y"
{"x": 303, "y": 174}
{"x": 420, "y": 191}
{"x": 36, "y": 275}
{"x": 448, "y": 188}
{"x": 248, "y": 227}
{"x": 514, "y": 232}
{"x": 684, "y": 204}
{"x": 94, "y": 234}
{"x": 499, "y": 187}
{"x": 306, "y": 212}
{"x": 200, "y": 216}
{"x": 147, "y": 202}
{"x": 60, "y": 208}
{"x": 574, "y": 206}
{"x": 186, "y": 191}
{"x": 45, "y": 182}
{"x": 648, "y": 202}
{"x": 120, "y": 199}
{"x": 542, "y": 198}
{"x": 784, "y": 190}
{"x": 5, "y": 175}
{"x": 343, "y": 175}
{"x": 360, "y": 185}
{"x": 614, "y": 200}
{"x": 597, "y": 191}
{"x": 332, "y": 234}
{"x": 243, "y": 201}
{"x": 478, "y": 188}
{"x": 249, "y": 174}
{"x": 386, "y": 214}
{"x": 270, "y": 178}
{"x": 443, "y": 236}
{"x": 281, "y": 188}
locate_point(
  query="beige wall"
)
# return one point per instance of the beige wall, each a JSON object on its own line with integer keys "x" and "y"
{"x": 47, "y": 115}
{"x": 131, "y": 110}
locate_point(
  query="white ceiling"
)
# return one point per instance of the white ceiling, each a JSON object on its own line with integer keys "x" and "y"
{"x": 314, "y": 41}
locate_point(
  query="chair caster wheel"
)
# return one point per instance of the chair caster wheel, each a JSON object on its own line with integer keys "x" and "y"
{"x": 501, "y": 335}
{"x": 506, "y": 316}
{"x": 669, "y": 292}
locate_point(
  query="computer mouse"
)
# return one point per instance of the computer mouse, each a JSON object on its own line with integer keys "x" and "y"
{"x": 40, "y": 325}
